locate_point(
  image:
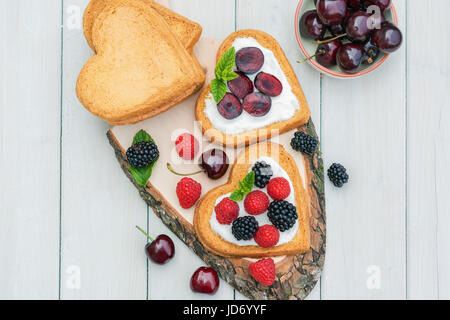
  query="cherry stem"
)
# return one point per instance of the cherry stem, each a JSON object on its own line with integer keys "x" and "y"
{"x": 171, "y": 169}
{"x": 151, "y": 239}
{"x": 332, "y": 39}
{"x": 321, "y": 52}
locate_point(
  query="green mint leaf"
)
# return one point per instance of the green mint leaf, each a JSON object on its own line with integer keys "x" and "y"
{"x": 226, "y": 63}
{"x": 218, "y": 89}
{"x": 142, "y": 136}
{"x": 237, "y": 196}
{"x": 229, "y": 75}
{"x": 141, "y": 175}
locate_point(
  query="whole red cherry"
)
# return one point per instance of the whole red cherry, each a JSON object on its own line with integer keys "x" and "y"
{"x": 205, "y": 280}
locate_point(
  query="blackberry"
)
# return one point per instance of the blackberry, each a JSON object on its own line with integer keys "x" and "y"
{"x": 142, "y": 154}
{"x": 244, "y": 228}
{"x": 282, "y": 214}
{"x": 338, "y": 175}
{"x": 263, "y": 173}
{"x": 304, "y": 143}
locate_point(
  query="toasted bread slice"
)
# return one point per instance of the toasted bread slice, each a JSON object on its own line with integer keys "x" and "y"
{"x": 243, "y": 163}
{"x": 140, "y": 70}
{"x": 300, "y": 117}
{"x": 187, "y": 31}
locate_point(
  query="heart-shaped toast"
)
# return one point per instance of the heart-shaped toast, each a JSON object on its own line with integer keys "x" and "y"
{"x": 187, "y": 31}
{"x": 140, "y": 68}
{"x": 266, "y": 100}
{"x": 220, "y": 239}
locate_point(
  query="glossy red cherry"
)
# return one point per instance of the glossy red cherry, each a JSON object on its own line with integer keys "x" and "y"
{"x": 332, "y": 11}
{"x": 241, "y": 86}
{"x": 159, "y": 250}
{"x": 205, "y": 280}
{"x": 311, "y": 26}
{"x": 268, "y": 84}
{"x": 371, "y": 52}
{"x": 354, "y": 4}
{"x": 388, "y": 38}
{"x": 257, "y": 104}
{"x": 249, "y": 60}
{"x": 357, "y": 26}
{"x": 382, "y": 4}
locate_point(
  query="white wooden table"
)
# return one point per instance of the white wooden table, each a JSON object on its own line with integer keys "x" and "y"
{"x": 67, "y": 212}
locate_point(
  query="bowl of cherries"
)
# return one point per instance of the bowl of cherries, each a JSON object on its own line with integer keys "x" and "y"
{"x": 347, "y": 38}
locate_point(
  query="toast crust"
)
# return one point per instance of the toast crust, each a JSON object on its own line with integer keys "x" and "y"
{"x": 124, "y": 83}
{"x": 187, "y": 31}
{"x": 205, "y": 208}
{"x": 300, "y": 117}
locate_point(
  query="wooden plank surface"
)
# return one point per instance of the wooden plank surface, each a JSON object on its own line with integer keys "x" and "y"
{"x": 29, "y": 162}
{"x": 428, "y": 140}
{"x": 99, "y": 207}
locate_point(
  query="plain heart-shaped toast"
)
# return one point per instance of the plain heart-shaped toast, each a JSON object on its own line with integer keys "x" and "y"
{"x": 267, "y": 99}
{"x": 187, "y": 31}
{"x": 140, "y": 68}
{"x": 219, "y": 237}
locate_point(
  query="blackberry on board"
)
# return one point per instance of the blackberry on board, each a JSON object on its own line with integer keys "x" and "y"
{"x": 142, "y": 154}
{"x": 244, "y": 228}
{"x": 338, "y": 175}
{"x": 263, "y": 173}
{"x": 304, "y": 143}
{"x": 282, "y": 214}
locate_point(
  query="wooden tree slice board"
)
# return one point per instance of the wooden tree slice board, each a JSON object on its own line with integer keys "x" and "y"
{"x": 296, "y": 275}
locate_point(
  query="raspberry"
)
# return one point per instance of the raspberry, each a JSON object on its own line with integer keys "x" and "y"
{"x": 188, "y": 192}
{"x": 226, "y": 211}
{"x": 278, "y": 188}
{"x": 186, "y": 146}
{"x": 256, "y": 202}
{"x": 263, "y": 271}
{"x": 267, "y": 236}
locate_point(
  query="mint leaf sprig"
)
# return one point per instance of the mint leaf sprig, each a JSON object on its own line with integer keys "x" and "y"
{"x": 141, "y": 175}
{"x": 245, "y": 187}
{"x": 223, "y": 72}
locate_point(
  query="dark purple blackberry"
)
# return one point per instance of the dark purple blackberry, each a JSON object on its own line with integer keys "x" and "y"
{"x": 338, "y": 175}
{"x": 244, "y": 228}
{"x": 263, "y": 174}
{"x": 142, "y": 154}
{"x": 282, "y": 214}
{"x": 304, "y": 143}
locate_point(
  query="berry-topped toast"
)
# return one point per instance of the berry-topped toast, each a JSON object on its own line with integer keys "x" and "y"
{"x": 262, "y": 211}
{"x": 255, "y": 95}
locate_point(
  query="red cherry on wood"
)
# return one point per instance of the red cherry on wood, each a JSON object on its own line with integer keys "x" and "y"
{"x": 332, "y": 11}
{"x": 205, "y": 280}
{"x": 159, "y": 250}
